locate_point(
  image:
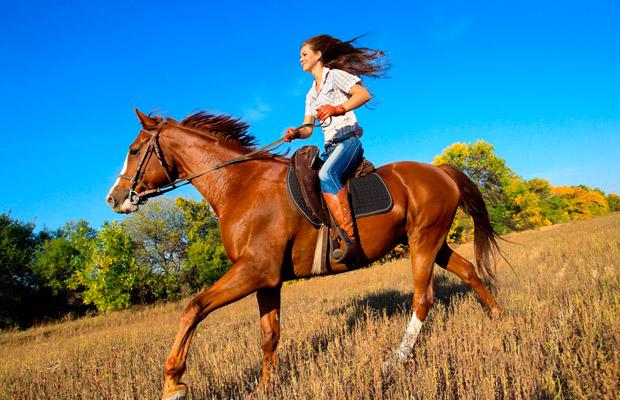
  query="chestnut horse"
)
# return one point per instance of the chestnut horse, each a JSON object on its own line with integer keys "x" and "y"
{"x": 269, "y": 241}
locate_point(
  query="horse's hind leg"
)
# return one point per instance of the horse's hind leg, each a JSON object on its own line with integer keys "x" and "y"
{"x": 423, "y": 247}
{"x": 454, "y": 262}
{"x": 241, "y": 280}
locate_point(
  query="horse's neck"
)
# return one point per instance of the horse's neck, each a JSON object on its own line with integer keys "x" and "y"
{"x": 195, "y": 154}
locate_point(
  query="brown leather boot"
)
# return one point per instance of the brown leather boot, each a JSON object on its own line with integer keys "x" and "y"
{"x": 340, "y": 209}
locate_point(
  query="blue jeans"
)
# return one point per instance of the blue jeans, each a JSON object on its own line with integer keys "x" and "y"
{"x": 340, "y": 159}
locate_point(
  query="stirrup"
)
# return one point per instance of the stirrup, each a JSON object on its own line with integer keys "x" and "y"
{"x": 348, "y": 253}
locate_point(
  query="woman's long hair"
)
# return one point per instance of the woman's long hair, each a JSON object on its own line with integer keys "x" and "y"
{"x": 343, "y": 55}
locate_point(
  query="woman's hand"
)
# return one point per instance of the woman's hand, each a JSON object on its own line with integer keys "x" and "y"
{"x": 290, "y": 134}
{"x": 328, "y": 110}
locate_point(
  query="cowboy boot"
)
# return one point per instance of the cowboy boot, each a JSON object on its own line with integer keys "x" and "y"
{"x": 340, "y": 209}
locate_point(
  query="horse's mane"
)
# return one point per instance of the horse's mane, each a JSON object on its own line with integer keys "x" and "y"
{"x": 224, "y": 126}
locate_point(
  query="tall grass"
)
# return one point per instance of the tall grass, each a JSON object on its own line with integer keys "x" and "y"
{"x": 560, "y": 337}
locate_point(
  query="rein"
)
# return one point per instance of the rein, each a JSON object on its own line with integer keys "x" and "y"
{"x": 154, "y": 148}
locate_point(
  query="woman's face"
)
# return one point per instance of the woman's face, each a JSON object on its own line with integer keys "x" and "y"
{"x": 308, "y": 58}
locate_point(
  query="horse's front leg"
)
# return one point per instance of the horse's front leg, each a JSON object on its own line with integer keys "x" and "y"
{"x": 241, "y": 280}
{"x": 269, "y": 307}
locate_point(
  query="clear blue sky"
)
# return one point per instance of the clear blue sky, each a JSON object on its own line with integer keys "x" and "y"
{"x": 540, "y": 80}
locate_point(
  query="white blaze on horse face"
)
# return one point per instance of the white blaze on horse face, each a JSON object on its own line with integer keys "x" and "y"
{"x": 119, "y": 176}
{"x": 413, "y": 329}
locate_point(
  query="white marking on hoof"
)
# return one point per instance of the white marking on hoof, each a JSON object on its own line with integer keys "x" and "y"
{"x": 404, "y": 350}
{"x": 406, "y": 345}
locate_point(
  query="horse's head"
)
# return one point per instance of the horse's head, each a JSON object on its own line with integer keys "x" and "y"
{"x": 145, "y": 168}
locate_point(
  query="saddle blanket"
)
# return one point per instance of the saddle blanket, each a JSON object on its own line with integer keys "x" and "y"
{"x": 368, "y": 195}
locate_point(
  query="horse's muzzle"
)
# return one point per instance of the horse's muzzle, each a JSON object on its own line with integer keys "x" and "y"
{"x": 123, "y": 201}
{"x": 128, "y": 206}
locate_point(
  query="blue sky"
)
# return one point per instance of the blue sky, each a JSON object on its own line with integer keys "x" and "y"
{"x": 538, "y": 80}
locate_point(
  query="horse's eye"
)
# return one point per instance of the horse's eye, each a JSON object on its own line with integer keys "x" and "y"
{"x": 134, "y": 152}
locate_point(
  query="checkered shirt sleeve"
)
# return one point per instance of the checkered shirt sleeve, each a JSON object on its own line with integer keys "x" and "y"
{"x": 344, "y": 80}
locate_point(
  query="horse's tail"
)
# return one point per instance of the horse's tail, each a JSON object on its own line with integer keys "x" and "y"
{"x": 485, "y": 244}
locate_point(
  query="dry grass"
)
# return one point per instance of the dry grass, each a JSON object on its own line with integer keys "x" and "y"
{"x": 559, "y": 339}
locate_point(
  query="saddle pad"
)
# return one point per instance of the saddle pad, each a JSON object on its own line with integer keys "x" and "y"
{"x": 294, "y": 191}
{"x": 369, "y": 196}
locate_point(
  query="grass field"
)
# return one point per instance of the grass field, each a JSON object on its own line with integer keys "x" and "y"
{"x": 560, "y": 337}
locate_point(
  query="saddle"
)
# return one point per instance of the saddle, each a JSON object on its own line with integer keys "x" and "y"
{"x": 368, "y": 193}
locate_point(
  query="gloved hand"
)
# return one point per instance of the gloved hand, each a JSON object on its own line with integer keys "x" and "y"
{"x": 328, "y": 110}
{"x": 290, "y": 134}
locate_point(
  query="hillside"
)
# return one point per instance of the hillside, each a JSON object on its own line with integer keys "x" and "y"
{"x": 559, "y": 339}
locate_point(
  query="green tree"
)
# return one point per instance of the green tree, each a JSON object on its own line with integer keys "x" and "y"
{"x": 18, "y": 285}
{"x": 53, "y": 263}
{"x": 206, "y": 257}
{"x": 159, "y": 235}
{"x": 158, "y": 232}
{"x": 59, "y": 255}
{"x": 523, "y": 199}
{"x": 552, "y": 207}
{"x": 613, "y": 200}
{"x": 57, "y": 259}
{"x": 479, "y": 162}
{"x": 490, "y": 174}
{"x": 109, "y": 272}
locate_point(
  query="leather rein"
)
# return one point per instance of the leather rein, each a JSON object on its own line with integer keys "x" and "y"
{"x": 154, "y": 148}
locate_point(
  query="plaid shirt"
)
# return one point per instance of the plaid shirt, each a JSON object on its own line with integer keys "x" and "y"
{"x": 334, "y": 90}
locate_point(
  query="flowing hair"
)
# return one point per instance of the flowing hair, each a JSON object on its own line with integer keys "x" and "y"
{"x": 343, "y": 55}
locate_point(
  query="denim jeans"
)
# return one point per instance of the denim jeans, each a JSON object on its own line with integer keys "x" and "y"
{"x": 340, "y": 159}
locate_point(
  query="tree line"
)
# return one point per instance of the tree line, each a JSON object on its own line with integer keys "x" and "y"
{"x": 516, "y": 204}
{"x": 172, "y": 247}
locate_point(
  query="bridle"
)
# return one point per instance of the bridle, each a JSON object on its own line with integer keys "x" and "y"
{"x": 153, "y": 147}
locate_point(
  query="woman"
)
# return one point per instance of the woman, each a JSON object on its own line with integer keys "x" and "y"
{"x": 336, "y": 92}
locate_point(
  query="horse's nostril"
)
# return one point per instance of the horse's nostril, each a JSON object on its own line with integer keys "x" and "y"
{"x": 111, "y": 201}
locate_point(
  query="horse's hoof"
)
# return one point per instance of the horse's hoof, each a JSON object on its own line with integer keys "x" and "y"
{"x": 388, "y": 367}
{"x": 179, "y": 393}
{"x": 497, "y": 313}
{"x": 386, "y": 373}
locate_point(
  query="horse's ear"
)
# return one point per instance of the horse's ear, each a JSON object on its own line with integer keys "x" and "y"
{"x": 145, "y": 120}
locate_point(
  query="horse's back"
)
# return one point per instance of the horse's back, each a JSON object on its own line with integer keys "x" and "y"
{"x": 418, "y": 174}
